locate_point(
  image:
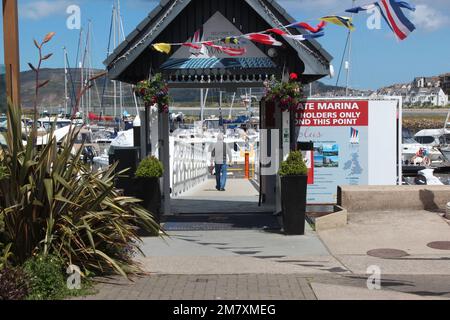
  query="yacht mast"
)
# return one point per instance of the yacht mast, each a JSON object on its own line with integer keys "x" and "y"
{"x": 89, "y": 70}
{"x": 115, "y": 46}
{"x": 66, "y": 98}
{"x": 348, "y": 62}
{"x": 80, "y": 67}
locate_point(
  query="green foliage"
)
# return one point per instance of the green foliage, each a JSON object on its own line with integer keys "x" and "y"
{"x": 48, "y": 281}
{"x": 154, "y": 91}
{"x": 52, "y": 203}
{"x": 46, "y": 276}
{"x": 14, "y": 284}
{"x": 293, "y": 166}
{"x": 3, "y": 172}
{"x": 150, "y": 167}
{"x": 5, "y": 254}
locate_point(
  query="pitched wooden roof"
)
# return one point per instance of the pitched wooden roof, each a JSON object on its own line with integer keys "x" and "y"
{"x": 177, "y": 21}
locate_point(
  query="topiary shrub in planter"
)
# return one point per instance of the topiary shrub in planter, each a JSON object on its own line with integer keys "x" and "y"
{"x": 293, "y": 174}
{"x": 147, "y": 187}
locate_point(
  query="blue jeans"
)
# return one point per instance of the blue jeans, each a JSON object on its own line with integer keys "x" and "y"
{"x": 221, "y": 176}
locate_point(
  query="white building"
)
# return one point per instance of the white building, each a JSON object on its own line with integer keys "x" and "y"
{"x": 421, "y": 92}
{"x": 427, "y": 96}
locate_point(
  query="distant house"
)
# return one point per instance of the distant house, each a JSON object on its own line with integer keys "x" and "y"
{"x": 428, "y": 96}
{"x": 426, "y": 82}
{"x": 445, "y": 83}
{"x": 422, "y": 91}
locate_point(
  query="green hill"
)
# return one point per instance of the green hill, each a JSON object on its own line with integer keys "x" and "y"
{"x": 51, "y": 97}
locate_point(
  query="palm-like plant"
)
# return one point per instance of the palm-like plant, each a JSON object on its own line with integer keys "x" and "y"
{"x": 52, "y": 203}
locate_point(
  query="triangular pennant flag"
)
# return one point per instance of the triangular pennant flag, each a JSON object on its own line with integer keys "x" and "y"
{"x": 306, "y": 26}
{"x": 263, "y": 39}
{"x": 395, "y": 18}
{"x": 162, "y": 47}
{"x": 303, "y": 37}
{"x": 230, "y": 40}
{"x": 227, "y": 50}
{"x": 401, "y": 4}
{"x": 234, "y": 52}
{"x": 362, "y": 8}
{"x": 192, "y": 45}
{"x": 277, "y": 31}
{"x": 406, "y": 5}
{"x": 340, "y": 21}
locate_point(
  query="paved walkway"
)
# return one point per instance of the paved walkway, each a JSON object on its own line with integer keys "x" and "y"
{"x": 207, "y": 287}
{"x": 241, "y": 196}
{"x": 251, "y": 264}
{"x": 270, "y": 287}
{"x": 237, "y": 252}
{"x": 258, "y": 264}
{"x": 411, "y": 232}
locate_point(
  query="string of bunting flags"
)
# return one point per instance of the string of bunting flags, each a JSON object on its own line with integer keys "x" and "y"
{"x": 391, "y": 11}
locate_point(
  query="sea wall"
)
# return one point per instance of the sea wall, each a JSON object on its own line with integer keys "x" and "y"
{"x": 384, "y": 198}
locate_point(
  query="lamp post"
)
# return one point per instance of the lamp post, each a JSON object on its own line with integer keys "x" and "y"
{"x": 11, "y": 47}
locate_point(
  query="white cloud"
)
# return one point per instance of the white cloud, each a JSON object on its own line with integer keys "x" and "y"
{"x": 36, "y": 10}
{"x": 428, "y": 18}
{"x": 429, "y": 15}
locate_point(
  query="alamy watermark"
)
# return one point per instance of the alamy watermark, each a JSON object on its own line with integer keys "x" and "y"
{"x": 74, "y": 279}
{"x": 73, "y": 21}
{"x": 374, "y": 279}
{"x": 374, "y": 19}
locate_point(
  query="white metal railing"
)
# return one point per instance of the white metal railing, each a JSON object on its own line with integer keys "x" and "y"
{"x": 188, "y": 164}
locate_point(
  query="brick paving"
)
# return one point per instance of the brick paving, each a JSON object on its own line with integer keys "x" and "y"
{"x": 205, "y": 287}
{"x": 259, "y": 286}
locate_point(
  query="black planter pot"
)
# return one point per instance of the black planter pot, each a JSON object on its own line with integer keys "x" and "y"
{"x": 293, "y": 201}
{"x": 148, "y": 190}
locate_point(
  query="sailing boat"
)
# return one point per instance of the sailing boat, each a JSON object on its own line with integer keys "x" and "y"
{"x": 445, "y": 147}
{"x": 116, "y": 36}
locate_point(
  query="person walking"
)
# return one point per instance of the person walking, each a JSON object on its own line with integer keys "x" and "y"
{"x": 219, "y": 154}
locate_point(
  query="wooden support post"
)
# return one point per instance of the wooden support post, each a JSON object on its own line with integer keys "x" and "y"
{"x": 11, "y": 47}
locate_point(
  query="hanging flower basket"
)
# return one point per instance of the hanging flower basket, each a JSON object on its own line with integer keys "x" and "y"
{"x": 154, "y": 92}
{"x": 286, "y": 94}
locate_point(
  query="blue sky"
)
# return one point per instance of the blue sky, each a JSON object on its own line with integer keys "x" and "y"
{"x": 378, "y": 57}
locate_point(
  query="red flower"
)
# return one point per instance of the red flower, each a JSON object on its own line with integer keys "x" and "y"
{"x": 293, "y": 76}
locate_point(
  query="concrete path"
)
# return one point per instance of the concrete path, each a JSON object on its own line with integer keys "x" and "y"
{"x": 241, "y": 196}
{"x": 408, "y": 231}
{"x": 257, "y": 264}
{"x": 237, "y": 252}
{"x": 340, "y": 292}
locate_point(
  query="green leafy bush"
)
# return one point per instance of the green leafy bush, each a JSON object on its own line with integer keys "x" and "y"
{"x": 46, "y": 276}
{"x": 52, "y": 203}
{"x": 293, "y": 166}
{"x": 150, "y": 167}
{"x": 14, "y": 284}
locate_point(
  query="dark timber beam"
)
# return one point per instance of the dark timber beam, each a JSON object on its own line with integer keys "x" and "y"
{"x": 11, "y": 47}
